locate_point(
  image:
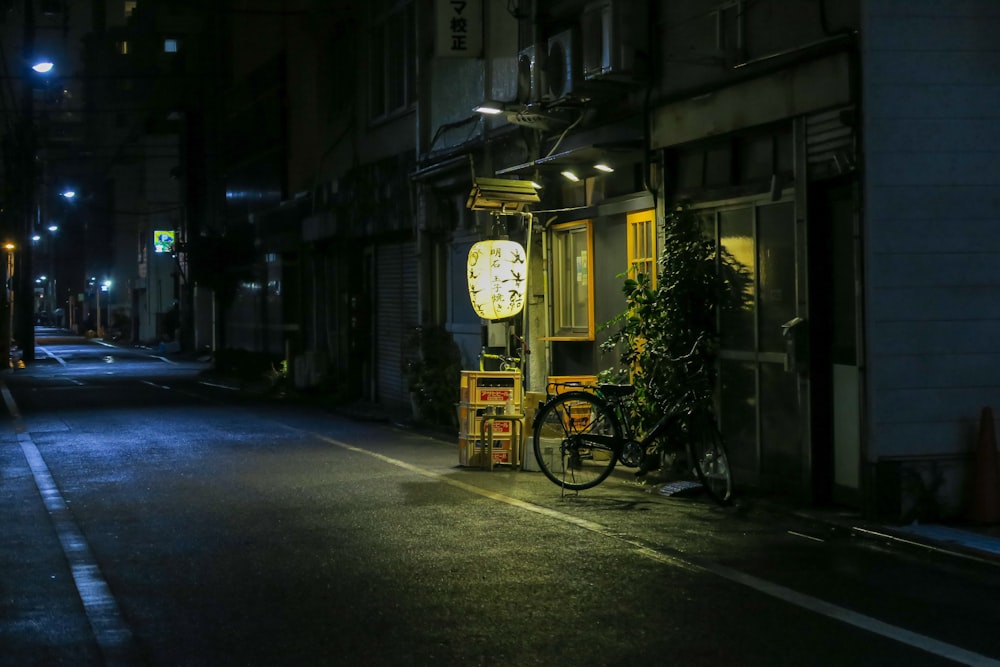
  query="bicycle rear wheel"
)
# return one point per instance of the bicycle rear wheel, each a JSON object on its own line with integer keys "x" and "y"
{"x": 576, "y": 440}
{"x": 708, "y": 456}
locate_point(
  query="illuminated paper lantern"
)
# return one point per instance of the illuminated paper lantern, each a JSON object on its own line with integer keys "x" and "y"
{"x": 497, "y": 278}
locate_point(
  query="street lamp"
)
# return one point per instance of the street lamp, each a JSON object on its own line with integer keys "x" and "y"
{"x": 43, "y": 66}
{"x": 9, "y": 284}
{"x": 106, "y": 287}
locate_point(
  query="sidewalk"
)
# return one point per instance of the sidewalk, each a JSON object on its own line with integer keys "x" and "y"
{"x": 976, "y": 543}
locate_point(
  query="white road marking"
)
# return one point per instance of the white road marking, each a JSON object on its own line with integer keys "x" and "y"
{"x": 111, "y": 633}
{"x": 670, "y": 557}
{"x": 51, "y": 354}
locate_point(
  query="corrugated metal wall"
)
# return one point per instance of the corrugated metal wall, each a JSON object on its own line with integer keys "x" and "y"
{"x": 395, "y": 317}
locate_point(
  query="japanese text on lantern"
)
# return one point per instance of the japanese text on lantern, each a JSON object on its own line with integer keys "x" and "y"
{"x": 497, "y": 273}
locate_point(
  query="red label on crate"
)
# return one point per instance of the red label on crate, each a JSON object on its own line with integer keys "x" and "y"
{"x": 487, "y": 395}
{"x": 500, "y": 427}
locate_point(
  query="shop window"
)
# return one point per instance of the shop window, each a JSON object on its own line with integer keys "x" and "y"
{"x": 573, "y": 281}
{"x": 641, "y": 244}
{"x": 392, "y": 58}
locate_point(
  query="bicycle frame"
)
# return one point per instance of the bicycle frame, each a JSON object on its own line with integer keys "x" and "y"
{"x": 616, "y": 403}
{"x": 579, "y": 437}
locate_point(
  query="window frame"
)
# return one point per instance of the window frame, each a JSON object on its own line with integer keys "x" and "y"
{"x": 392, "y": 75}
{"x": 558, "y": 262}
{"x": 636, "y": 237}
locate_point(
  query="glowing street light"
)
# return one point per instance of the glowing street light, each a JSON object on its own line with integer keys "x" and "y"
{"x": 106, "y": 287}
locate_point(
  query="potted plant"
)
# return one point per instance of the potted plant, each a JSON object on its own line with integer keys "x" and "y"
{"x": 696, "y": 281}
{"x": 432, "y": 367}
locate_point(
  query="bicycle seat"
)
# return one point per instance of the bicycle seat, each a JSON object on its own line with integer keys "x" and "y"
{"x": 617, "y": 390}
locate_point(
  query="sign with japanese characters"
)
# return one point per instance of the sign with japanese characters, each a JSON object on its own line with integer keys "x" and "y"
{"x": 459, "y": 28}
{"x": 163, "y": 241}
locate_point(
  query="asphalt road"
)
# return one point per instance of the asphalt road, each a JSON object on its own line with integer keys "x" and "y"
{"x": 152, "y": 519}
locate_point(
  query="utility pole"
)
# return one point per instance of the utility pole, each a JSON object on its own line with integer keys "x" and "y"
{"x": 24, "y": 325}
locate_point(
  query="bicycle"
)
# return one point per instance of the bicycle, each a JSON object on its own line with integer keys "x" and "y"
{"x": 506, "y": 362}
{"x": 581, "y": 434}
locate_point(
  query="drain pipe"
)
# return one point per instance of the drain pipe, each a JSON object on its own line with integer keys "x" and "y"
{"x": 525, "y": 322}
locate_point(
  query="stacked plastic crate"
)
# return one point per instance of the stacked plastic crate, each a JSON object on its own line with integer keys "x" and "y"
{"x": 481, "y": 392}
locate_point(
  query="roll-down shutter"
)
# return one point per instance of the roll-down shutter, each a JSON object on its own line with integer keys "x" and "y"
{"x": 395, "y": 317}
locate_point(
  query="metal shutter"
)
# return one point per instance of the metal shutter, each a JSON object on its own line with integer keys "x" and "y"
{"x": 395, "y": 317}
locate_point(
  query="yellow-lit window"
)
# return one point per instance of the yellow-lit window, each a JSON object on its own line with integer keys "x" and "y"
{"x": 641, "y": 248}
{"x": 129, "y": 7}
{"x": 122, "y": 47}
{"x": 641, "y": 244}
{"x": 573, "y": 280}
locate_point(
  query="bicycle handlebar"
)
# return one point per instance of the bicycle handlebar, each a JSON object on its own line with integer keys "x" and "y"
{"x": 506, "y": 361}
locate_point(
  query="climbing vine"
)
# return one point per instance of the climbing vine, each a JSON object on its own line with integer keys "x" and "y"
{"x": 662, "y": 322}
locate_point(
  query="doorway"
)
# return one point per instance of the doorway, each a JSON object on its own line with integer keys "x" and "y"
{"x": 763, "y": 391}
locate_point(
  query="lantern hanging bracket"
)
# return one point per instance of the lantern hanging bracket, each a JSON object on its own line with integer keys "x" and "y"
{"x": 503, "y": 196}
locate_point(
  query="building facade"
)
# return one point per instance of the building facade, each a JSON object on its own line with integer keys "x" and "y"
{"x": 814, "y": 140}
{"x": 839, "y": 152}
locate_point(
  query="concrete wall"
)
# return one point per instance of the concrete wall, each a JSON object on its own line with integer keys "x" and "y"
{"x": 931, "y": 87}
{"x": 699, "y": 42}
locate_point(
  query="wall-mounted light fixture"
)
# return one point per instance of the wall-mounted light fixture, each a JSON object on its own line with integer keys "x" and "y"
{"x": 570, "y": 175}
{"x": 534, "y": 115}
{"x": 604, "y": 166}
{"x": 490, "y": 108}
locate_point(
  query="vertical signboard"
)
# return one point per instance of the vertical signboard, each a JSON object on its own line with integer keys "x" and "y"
{"x": 459, "y": 28}
{"x": 163, "y": 241}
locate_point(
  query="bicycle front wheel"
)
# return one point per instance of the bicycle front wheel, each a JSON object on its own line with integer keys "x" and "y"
{"x": 710, "y": 461}
{"x": 576, "y": 440}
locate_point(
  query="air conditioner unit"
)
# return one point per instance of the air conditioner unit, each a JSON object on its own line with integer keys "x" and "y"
{"x": 614, "y": 39}
{"x": 531, "y": 75}
{"x": 562, "y": 65}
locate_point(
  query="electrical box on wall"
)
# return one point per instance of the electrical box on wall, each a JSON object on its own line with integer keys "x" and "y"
{"x": 614, "y": 40}
{"x": 496, "y": 334}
